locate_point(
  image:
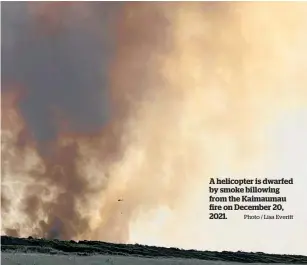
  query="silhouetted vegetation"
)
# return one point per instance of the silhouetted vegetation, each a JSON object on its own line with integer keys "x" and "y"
{"x": 55, "y": 246}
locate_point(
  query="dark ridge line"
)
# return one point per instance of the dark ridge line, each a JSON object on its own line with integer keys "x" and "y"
{"x": 86, "y": 248}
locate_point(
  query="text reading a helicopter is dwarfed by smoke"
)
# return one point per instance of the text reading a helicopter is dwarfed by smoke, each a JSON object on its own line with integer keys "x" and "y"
{"x": 248, "y": 195}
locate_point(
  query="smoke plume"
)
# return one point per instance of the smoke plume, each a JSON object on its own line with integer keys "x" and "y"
{"x": 115, "y": 116}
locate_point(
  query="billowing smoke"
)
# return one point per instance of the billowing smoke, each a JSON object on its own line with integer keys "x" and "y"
{"x": 56, "y": 60}
{"x": 114, "y": 117}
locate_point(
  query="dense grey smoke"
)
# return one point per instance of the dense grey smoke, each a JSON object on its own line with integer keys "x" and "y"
{"x": 63, "y": 70}
{"x": 55, "y": 56}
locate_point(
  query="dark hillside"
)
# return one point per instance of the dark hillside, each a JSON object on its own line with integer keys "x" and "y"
{"x": 9, "y": 244}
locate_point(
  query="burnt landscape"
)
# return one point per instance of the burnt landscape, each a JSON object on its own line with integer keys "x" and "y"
{"x": 88, "y": 248}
